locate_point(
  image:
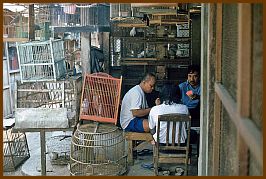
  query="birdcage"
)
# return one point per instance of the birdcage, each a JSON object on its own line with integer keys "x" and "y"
{"x": 97, "y": 149}
{"x": 15, "y": 149}
{"x": 100, "y": 98}
{"x": 48, "y": 99}
{"x": 95, "y": 14}
{"x": 41, "y": 61}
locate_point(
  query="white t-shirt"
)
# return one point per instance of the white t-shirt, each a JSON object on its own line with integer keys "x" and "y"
{"x": 133, "y": 99}
{"x": 167, "y": 109}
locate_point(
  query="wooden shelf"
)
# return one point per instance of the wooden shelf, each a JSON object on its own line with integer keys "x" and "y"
{"x": 156, "y": 60}
{"x": 157, "y": 39}
{"x": 158, "y": 82}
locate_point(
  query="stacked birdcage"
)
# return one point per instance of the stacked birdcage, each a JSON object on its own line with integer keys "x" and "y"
{"x": 15, "y": 149}
{"x": 48, "y": 98}
{"x": 41, "y": 61}
{"x": 97, "y": 149}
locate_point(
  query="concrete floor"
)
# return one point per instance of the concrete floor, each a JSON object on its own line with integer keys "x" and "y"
{"x": 32, "y": 167}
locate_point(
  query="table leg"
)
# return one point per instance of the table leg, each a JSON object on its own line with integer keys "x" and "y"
{"x": 43, "y": 152}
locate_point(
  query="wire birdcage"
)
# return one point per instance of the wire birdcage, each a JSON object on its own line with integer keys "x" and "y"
{"x": 97, "y": 149}
{"x": 15, "y": 149}
{"x": 41, "y": 61}
{"x": 100, "y": 98}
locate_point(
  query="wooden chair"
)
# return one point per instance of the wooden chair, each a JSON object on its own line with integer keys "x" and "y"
{"x": 131, "y": 138}
{"x": 172, "y": 152}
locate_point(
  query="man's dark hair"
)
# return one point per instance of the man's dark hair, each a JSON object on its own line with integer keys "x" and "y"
{"x": 147, "y": 76}
{"x": 170, "y": 94}
{"x": 193, "y": 68}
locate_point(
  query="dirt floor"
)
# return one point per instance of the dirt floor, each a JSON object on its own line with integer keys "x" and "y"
{"x": 142, "y": 159}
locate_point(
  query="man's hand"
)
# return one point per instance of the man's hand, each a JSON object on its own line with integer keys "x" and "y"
{"x": 157, "y": 101}
{"x": 191, "y": 95}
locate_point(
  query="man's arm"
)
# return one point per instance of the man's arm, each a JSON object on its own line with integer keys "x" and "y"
{"x": 152, "y": 131}
{"x": 140, "y": 112}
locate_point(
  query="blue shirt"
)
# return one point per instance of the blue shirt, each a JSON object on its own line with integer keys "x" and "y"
{"x": 184, "y": 87}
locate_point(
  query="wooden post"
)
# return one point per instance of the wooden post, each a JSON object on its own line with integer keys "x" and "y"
{"x": 244, "y": 80}
{"x": 31, "y": 24}
{"x": 43, "y": 152}
{"x": 85, "y": 52}
{"x": 106, "y": 53}
{"x": 217, "y": 101}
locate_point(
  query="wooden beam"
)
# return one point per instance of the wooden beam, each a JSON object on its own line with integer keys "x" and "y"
{"x": 244, "y": 79}
{"x": 132, "y": 25}
{"x": 31, "y": 24}
{"x": 158, "y": 11}
{"x": 90, "y": 28}
{"x": 15, "y": 39}
{"x": 244, "y": 59}
{"x": 217, "y": 101}
{"x": 245, "y": 126}
{"x": 154, "y": 4}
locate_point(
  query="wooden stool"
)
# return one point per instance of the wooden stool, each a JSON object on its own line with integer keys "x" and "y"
{"x": 132, "y": 137}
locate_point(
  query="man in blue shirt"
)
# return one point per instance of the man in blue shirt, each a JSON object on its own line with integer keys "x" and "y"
{"x": 190, "y": 91}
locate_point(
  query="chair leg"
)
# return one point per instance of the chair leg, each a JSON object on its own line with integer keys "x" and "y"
{"x": 130, "y": 152}
{"x": 155, "y": 161}
{"x": 155, "y": 165}
{"x": 186, "y": 167}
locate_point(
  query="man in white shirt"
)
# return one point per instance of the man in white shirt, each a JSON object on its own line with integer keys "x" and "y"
{"x": 170, "y": 97}
{"x": 134, "y": 106}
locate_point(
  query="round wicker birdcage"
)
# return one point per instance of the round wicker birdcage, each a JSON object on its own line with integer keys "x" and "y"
{"x": 97, "y": 149}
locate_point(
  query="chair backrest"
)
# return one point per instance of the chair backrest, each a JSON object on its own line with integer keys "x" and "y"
{"x": 175, "y": 124}
{"x": 100, "y": 98}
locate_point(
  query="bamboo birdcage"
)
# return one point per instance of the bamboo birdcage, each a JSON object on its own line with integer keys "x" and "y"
{"x": 97, "y": 149}
{"x": 102, "y": 94}
{"x": 15, "y": 149}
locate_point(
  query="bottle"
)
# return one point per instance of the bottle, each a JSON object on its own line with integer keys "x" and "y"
{"x": 85, "y": 106}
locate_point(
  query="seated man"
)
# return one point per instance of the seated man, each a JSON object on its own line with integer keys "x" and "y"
{"x": 190, "y": 94}
{"x": 134, "y": 106}
{"x": 170, "y": 97}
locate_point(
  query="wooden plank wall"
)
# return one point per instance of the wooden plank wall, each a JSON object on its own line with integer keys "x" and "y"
{"x": 249, "y": 136}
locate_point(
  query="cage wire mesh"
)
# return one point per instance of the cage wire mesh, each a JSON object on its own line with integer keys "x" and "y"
{"x": 97, "y": 149}
{"x": 41, "y": 61}
{"x": 15, "y": 149}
